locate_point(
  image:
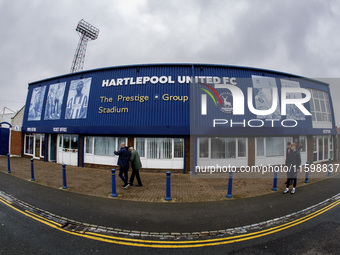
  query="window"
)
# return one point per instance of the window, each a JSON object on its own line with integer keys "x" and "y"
{"x": 302, "y": 143}
{"x": 34, "y": 145}
{"x": 322, "y": 148}
{"x": 260, "y": 146}
{"x": 218, "y": 148}
{"x": 325, "y": 147}
{"x": 29, "y": 143}
{"x": 271, "y": 146}
{"x": 230, "y": 147}
{"x": 315, "y": 149}
{"x": 160, "y": 148}
{"x": 37, "y": 145}
{"x": 223, "y": 147}
{"x": 60, "y": 142}
{"x": 140, "y": 146}
{"x": 330, "y": 147}
{"x": 320, "y": 107}
{"x": 74, "y": 142}
{"x": 242, "y": 147}
{"x": 42, "y": 151}
{"x": 274, "y": 146}
{"x": 88, "y": 144}
{"x": 103, "y": 145}
{"x": 204, "y": 147}
{"x": 66, "y": 141}
{"x": 121, "y": 140}
{"x": 289, "y": 140}
{"x": 178, "y": 148}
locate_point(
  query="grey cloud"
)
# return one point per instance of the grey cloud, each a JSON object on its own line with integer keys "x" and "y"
{"x": 299, "y": 37}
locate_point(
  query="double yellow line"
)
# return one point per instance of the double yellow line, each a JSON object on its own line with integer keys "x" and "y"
{"x": 173, "y": 244}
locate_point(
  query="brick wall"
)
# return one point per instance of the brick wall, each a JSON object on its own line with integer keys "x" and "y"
{"x": 16, "y": 143}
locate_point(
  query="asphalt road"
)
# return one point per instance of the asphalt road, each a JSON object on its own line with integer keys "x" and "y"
{"x": 167, "y": 217}
{"x": 22, "y": 235}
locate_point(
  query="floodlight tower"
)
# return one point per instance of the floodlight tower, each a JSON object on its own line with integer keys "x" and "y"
{"x": 86, "y": 32}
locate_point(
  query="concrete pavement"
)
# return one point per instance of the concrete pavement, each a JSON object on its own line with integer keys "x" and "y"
{"x": 184, "y": 187}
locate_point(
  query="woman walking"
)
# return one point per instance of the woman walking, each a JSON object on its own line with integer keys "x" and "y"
{"x": 293, "y": 162}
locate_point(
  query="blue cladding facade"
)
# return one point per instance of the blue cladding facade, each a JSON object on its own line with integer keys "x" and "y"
{"x": 158, "y": 100}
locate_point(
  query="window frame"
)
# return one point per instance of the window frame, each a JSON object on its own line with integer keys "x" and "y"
{"x": 317, "y": 152}
{"x": 236, "y": 152}
{"x": 172, "y": 152}
{"x": 320, "y": 106}
{"x": 286, "y": 139}
{"x": 42, "y": 144}
{"x": 93, "y": 144}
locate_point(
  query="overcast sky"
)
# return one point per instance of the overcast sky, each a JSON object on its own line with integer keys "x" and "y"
{"x": 39, "y": 38}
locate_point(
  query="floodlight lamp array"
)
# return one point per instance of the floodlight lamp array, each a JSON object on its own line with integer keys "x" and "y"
{"x": 87, "y": 30}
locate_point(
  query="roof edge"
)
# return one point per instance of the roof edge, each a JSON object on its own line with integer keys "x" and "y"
{"x": 176, "y": 64}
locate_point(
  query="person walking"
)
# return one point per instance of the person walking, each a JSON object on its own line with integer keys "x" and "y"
{"x": 123, "y": 163}
{"x": 293, "y": 162}
{"x": 289, "y": 159}
{"x": 136, "y": 165}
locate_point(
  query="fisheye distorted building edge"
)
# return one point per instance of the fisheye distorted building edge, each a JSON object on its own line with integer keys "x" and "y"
{"x": 111, "y": 111}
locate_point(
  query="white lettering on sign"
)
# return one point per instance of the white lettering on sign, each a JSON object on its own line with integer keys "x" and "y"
{"x": 252, "y": 123}
{"x": 142, "y": 80}
{"x": 60, "y": 129}
{"x": 137, "y": 81}
{"x": 239, "y": 97}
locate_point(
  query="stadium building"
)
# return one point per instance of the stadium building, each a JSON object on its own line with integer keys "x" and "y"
{"x": 178, "y": 116}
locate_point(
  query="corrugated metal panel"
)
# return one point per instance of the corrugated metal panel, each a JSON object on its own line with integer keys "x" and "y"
{"x": 155, "y": 116}
{"x": 203, "y": 124}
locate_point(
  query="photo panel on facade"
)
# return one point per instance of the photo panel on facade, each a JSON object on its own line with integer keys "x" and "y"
{"x": 292, "y": 111}
{"x": 36, "y": 105}
{"x": 263, "y": 93}
{"x": 54, "y": 101}
{"x": 78, "y": 98}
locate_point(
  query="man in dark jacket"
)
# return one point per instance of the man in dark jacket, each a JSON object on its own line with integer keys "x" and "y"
{"x": 123, "y": 163}
{"x": 136, "y": 165}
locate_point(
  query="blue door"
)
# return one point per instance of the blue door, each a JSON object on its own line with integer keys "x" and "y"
{"x": 4, "y": 141}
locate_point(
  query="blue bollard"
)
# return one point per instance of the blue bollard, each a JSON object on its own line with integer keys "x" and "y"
{"x": 275, "y": 179}
{"x": 307, "y": 171}
{"x": 168, "y": 191}
{"x": 113, "y": 194}
{"x": 9, "y": 163}
{"x": 64, "y": 176}
{"x": 32, "y": 170}
{"x": 329, "y": 167}
{"x": 230, "y": 185}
